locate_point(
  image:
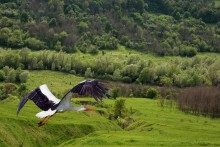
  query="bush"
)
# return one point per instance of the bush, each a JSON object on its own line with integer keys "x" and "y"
{"x": 127, "y": 79}
{"x": 115, "y": 92}
{"x": 119, "y": 108}
{"x": 188, "y": 51}
{"x": 152, "y": 93}
{"x": 106, "y": 42}
{"x": 24, "y": 76}
{"x": 6, "y": 89}
{"x": 35, "y": 44}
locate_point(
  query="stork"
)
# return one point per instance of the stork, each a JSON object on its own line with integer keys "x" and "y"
{"x": 51, "y": 105}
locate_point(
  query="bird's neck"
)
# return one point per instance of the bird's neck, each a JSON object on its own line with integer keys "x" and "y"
{"x": 80, "y": 108}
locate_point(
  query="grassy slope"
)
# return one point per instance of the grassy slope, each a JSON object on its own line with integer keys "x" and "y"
{"x": 156, "y": 126}
{"x": 153, "y": 126}
{"x": 217, "y": 3}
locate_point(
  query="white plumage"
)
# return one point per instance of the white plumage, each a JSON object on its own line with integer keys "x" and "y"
{"x": 50, "y": 105}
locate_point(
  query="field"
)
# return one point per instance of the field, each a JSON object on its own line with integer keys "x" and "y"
{"x": 153, "y": 125}
{"x": 217, "y": 3}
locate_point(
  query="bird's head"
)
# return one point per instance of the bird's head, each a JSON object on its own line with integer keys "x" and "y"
{"x": 86, "y": 109}
{"x": 89, "y": 109}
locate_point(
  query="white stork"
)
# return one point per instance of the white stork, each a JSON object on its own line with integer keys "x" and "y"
{"x": 50, "y": 105}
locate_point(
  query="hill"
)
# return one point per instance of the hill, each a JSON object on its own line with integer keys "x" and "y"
{"x": 162, "y": 27}
{"x": 152, "y": 125}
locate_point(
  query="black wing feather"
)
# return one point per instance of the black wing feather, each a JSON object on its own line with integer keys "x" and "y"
{"x": 38, "y": 98}
{"x": 93, "y": 88}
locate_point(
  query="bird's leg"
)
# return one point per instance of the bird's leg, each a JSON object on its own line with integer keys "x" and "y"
{"x": 41, "y": 123}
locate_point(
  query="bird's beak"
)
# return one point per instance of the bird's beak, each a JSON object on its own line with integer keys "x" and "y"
{"x": 89, "y": 109}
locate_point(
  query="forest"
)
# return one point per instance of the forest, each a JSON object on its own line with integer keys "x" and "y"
{"x": 162, "y": 27}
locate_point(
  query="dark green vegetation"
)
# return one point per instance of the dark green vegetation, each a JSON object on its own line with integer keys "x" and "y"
{"x": 149, "y": 124}
{"x": 164, "y": 27}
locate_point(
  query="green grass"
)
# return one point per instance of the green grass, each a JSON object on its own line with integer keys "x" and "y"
{"x": 153, "y": 126}
{"x": 217, "y": 3}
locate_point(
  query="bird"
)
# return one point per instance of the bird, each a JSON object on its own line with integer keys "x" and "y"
{"x": 51, "y": 105}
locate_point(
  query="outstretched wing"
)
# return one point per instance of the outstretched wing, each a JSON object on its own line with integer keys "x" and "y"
{"x": 42, "y": 97}
{"x": 93, "y": 88}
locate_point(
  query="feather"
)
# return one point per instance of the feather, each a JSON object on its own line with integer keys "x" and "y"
{"x": 93, "y": 88}
{"x": 43, "y": 114}
{"x": 42, "y": 97}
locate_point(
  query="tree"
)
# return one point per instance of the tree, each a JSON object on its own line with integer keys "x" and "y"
{"x": 6, "y": 70}
{"x": 117, "y": 75}
{"x": 6, "y": 89}
{"x": 24, "y": 17}
{"x": 24, "y": 54}
{"x": 53, "y": 22}
{"x": 58, "y": 47}
{"x": 53, "y": 66}
{"x": 11, "y": 76}
{"x": 40, "y": 65}
{"x": 130, "y": 71}
{"x": 4, "y": 35}
{"x": 89, "y": 73}
{"x": 148, "y": 75}
{"x": 83, "y": 27}
{"x": 35, "y": 44}
{"x": 24, "y": 76}
{"x": 2, "y": 76}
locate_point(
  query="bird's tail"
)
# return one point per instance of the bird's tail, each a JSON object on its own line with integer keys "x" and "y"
{"x": 43, "y": 114}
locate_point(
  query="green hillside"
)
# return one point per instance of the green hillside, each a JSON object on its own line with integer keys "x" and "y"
{"x": 152, "y": 126}
{"x": 160, "y": 60}
{"x": 164, "y": 27}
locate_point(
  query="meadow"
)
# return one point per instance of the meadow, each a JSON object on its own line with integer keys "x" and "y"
{"x": 217, "y": 3}
{"x": 152, "y": 126}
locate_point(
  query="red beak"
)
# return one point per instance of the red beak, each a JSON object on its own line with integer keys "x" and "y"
{"x": 89, "y": 109}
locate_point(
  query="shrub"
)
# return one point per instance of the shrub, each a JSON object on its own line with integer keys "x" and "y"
{"x": 115, "y": 92}
{"x": 89, "y": 73}
{"x": 24, "y": 76}
{"x": 119, "y": 108}
{"x": 6, "y": 89}
{"x": 35, "y": 44}
{"x": 152, "y": 93}
{"x": 188, "y": 51}
{"x": 106, "y": 42}
{"x": 127, "y": 79}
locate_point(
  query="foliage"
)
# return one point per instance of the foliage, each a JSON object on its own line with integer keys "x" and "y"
{"x": 166, "y": 27}
{"x": 115, "y": 92}
{"x": 7, "y": 89}
{"x": 119, "y": 108}
{"x": 117, "y": 66}
{"x": 152, "y": 93}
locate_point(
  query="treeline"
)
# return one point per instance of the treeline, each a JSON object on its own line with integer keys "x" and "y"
{"x": 179, "y": 72}
{"x": 90, "y": 26}
{"x": 11, "y": 75}
{"x": 200, "y": 9}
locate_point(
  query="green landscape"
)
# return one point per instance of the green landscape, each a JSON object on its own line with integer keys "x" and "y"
{"x": 160, "y": 60}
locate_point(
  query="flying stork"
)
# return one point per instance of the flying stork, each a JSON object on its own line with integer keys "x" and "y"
{"x": 51, "y": 105}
